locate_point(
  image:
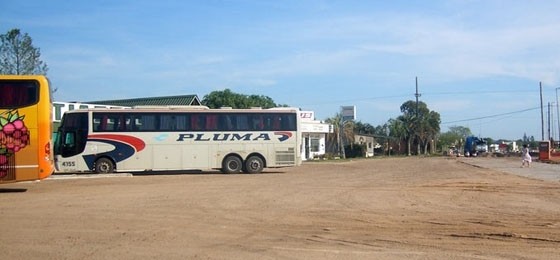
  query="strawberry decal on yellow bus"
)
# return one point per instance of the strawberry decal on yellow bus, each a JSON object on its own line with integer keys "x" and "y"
{"x": 14, "y": 136}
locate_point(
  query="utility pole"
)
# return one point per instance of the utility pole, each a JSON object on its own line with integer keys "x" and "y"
{"x": 558, "y": 115}
{"x": 548, "y": 125}
{"x": 552, "y": 122}
{"x": 542, "y": 114}
{"x": 417, "y": 95}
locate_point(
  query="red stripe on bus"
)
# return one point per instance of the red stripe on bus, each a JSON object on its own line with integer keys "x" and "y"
{"x": 137, "y": 143}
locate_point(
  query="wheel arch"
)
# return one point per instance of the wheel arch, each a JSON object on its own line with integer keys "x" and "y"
{"x": 233, "y": 154}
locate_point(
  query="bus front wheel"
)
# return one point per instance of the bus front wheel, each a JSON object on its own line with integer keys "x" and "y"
{"x": 253, "y": 164}
{"x": 104, "y": 165}
{"x": 232, "y": 164}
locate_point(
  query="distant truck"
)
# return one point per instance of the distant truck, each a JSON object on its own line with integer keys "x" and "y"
{"x": 475, "y": 146}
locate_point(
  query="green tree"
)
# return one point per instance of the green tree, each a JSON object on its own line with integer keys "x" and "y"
{"x": 227, "y": 98}
{"x": 429, "y": 129}
{"x": 18, "y": 56}
{"x": 529, "y": 140}
{"x": 339, "y": 135}
{"x": 397, "y": 131}
{"x": 421, "y": 125}
{"x": 454, "y": 137}
{"x": 409, "y": 123}
{"x": 461, "y": 131}
{"x": 363, "y": 128}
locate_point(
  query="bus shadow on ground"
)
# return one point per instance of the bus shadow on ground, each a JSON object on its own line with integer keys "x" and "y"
{"x": 11, "y": 190}
{"x": 198, "y": 172}
{"x": 178, "y": 172}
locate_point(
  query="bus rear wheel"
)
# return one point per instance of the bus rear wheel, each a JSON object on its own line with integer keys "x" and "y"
{"x": 253, "y": 164}
{"x": 232, "y": 164}
{"x": 104, "y": 165}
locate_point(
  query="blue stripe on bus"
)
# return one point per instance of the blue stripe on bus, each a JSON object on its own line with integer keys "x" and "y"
{"x": 121, "y": 152}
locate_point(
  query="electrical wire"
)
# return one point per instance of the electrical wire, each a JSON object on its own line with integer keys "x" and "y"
{"x": 491, "y": 116}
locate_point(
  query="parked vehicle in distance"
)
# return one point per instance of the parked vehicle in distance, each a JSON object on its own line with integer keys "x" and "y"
{"x": 475, "y": 146}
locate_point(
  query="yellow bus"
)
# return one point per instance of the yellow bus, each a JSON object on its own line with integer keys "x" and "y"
{"x": 25, "y": 128}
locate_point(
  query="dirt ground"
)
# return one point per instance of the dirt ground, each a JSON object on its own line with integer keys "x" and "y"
{"x": 389, "y": 208}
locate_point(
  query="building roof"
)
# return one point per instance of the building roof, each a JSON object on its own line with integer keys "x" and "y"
{"x": 181, "y": 100}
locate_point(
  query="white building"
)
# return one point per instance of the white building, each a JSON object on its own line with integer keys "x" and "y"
{"x": 314, "y": 135}
{"x": 368, "y": 141}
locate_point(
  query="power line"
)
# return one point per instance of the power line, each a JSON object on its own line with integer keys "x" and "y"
{"x": 358, "y": 99}
{"x": 425, "y": 93}
{"x": 479, "y": 92}
{"x": 491, "y": 116}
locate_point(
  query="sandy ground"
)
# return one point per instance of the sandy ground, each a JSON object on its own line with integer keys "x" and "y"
{"x": 390, "y": 208}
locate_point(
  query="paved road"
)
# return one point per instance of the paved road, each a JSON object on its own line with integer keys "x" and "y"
{"x": 538, "y": 170}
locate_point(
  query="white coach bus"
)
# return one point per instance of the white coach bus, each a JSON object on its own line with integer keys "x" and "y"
{"x": 178, "y": 138}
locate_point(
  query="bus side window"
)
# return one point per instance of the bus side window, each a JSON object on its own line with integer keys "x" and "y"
{"x": 104, "y": 123}
{"x": 277, "y": 122}
{"x": 100, "y": 122}
{"x": 127, "y": 122}
{"x": 289, "y": 123}
{"x": 194, "y": 123}
{"x": 113, "y": 124}
{"x": 224, "y": 123}
{"x": 257, "y": 123}
{"x": 198, "y": 121}
{"x": 136, "y": 123}
{"x": 182, "y": 122}
{"x": 96, "y": 124}
{"x": 167, "y": 122}
{"x": 147, "y": 122}
{"x": 69, "y": 139}
{"x": 266, "y": 122}
{"x": 173, "y": 122}
{"x": 242, "y": 122}
{"x": 120, "y": 123}
{"x": 211, "y": 122}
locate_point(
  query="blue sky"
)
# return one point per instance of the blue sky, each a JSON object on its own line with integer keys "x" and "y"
{"x": 478, "y": 63}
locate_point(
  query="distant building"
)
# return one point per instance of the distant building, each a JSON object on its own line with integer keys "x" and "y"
{"x": 504, "y": 147}
{"x": 368, "y": 141}
{"x": 314, "y": 135}
{"x": 180, "y": 100}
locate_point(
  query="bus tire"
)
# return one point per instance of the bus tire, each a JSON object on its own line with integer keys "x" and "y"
{"x": 253, "y": 164}
{"x": 232, "y": 164}
{"x": 104, "y": 165}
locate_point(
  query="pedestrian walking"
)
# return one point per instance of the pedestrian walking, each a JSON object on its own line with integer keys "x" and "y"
{"x": 525, "y": 156}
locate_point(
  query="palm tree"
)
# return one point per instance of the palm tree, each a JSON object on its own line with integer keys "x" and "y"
{"x": 429, "y": 128}
{"x": 421, "y": 124}
{"x": 397, "y": 130}
{"x": 338, "y": 137}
